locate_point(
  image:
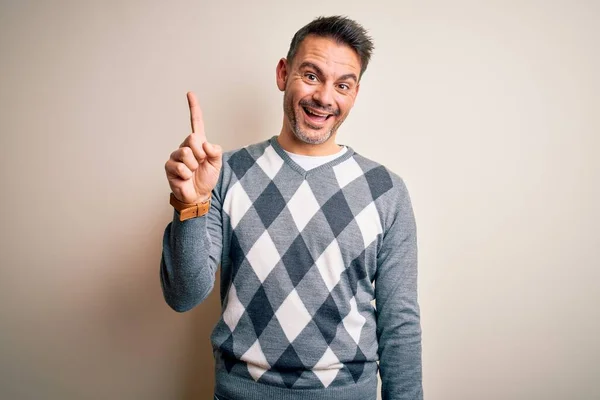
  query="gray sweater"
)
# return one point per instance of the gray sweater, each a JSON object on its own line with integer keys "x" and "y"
{"x": 318, "y": 278}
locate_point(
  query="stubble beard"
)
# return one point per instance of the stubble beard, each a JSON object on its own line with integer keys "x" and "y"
{"x": 302, "y": 136}
{"x": 297, "y": 130}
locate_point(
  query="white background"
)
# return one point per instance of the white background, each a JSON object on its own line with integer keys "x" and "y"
{"x": 488, "y": 109}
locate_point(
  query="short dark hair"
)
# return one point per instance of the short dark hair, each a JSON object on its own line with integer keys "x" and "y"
{"x": 341, "y": 29}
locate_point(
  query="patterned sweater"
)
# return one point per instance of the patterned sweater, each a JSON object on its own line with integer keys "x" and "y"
{"x": 318, "y": 278}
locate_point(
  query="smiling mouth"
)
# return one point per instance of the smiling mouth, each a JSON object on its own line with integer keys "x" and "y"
{"x": 315, "y": 116}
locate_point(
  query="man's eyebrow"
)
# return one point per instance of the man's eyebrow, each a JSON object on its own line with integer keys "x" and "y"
{"x": 307, "y": 64}
{"x": 348, "y": 76}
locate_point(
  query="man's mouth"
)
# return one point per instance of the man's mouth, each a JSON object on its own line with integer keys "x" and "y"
{"x": 316, "y": 116}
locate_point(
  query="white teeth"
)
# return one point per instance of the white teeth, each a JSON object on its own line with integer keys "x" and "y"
{"x": 314, "y": 113}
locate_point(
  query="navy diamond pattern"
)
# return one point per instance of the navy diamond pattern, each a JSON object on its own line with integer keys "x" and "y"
{"x": 337, "y": 212}
{"x": 290, "y": 365}
{"x": 328, "y": 318}
{"x": 297, "y": 260}
{"x": 356, "y": 368}
{"x": 379, "y": 181}
{"x": 260, "y": 311}
{"x": 269, "y": 204}
{"x": 356, "y": 272}
{"x": 237, "y": 254}
{"x": 227, "y": 352}
{"x": 240, "y": 162}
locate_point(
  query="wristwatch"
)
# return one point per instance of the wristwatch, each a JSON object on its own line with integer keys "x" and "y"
{"x": 189, "y": 210}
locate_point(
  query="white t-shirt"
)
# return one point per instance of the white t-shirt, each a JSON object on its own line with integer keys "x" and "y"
{"x": 310, "y": 162}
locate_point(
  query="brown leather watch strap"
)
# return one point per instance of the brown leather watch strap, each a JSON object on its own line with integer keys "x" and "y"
{"x": 189, "y": 210}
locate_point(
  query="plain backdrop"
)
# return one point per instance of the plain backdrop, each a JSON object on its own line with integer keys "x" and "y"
{"x": 489, "y": 110}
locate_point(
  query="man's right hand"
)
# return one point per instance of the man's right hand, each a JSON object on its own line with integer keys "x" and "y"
{"x": 193, "y": 169}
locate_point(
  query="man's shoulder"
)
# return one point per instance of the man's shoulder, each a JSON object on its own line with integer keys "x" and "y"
{"x": 379, "y": 176}
{"x": 238, "y": 161}
{"x": 248, "y": 152}
{"x": 387, "y": 188}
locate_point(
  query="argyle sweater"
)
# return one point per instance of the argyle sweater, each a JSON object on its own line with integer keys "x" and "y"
{"x": 318, "y": 278}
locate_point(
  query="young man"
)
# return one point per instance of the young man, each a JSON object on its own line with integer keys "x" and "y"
{"x": 308, "y": 233}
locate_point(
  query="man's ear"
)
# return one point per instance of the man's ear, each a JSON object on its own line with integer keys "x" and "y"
{"x": 282, "y": 74}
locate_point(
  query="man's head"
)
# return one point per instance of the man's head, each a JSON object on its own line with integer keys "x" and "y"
{"x": 342, "y": 30}
{"x": 321, "y": 75}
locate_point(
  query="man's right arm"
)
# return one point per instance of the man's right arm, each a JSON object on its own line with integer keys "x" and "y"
{"x": 190, "y": 257}
{"x": 192, "y": 248}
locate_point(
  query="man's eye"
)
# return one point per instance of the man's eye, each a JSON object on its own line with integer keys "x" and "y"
{"x": 311, "y": 77}
{"x": 344, "y": 86}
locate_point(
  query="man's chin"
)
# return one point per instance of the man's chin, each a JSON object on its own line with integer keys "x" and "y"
{"x": 313, "y": 136}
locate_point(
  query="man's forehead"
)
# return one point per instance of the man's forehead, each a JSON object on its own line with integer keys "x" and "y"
{"x": 325, "y": 50}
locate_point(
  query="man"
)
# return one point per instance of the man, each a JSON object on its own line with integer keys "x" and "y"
{"x": 308, "y": 233}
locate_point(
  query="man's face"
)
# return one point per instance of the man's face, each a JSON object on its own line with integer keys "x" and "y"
{"x": 320, "y": 87}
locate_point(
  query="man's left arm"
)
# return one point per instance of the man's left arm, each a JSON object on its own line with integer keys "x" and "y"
{"x": 398, "y": 315}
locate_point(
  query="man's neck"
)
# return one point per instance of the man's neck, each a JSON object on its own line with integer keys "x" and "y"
{"x": 290, "y": 143}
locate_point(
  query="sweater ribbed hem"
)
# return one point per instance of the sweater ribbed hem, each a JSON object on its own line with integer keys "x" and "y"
{"x": 235, "y": 388}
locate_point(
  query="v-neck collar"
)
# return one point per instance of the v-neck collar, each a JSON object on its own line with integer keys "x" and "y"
{"x": 292, "y": 164}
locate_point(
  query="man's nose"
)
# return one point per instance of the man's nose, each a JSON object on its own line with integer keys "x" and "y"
{"x": 324, "y": 96}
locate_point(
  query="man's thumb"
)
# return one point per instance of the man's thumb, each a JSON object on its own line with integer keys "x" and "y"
{"x": 212, "y": 150}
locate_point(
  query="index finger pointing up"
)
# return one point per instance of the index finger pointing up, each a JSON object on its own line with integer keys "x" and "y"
{"x": 196, "y": 116}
